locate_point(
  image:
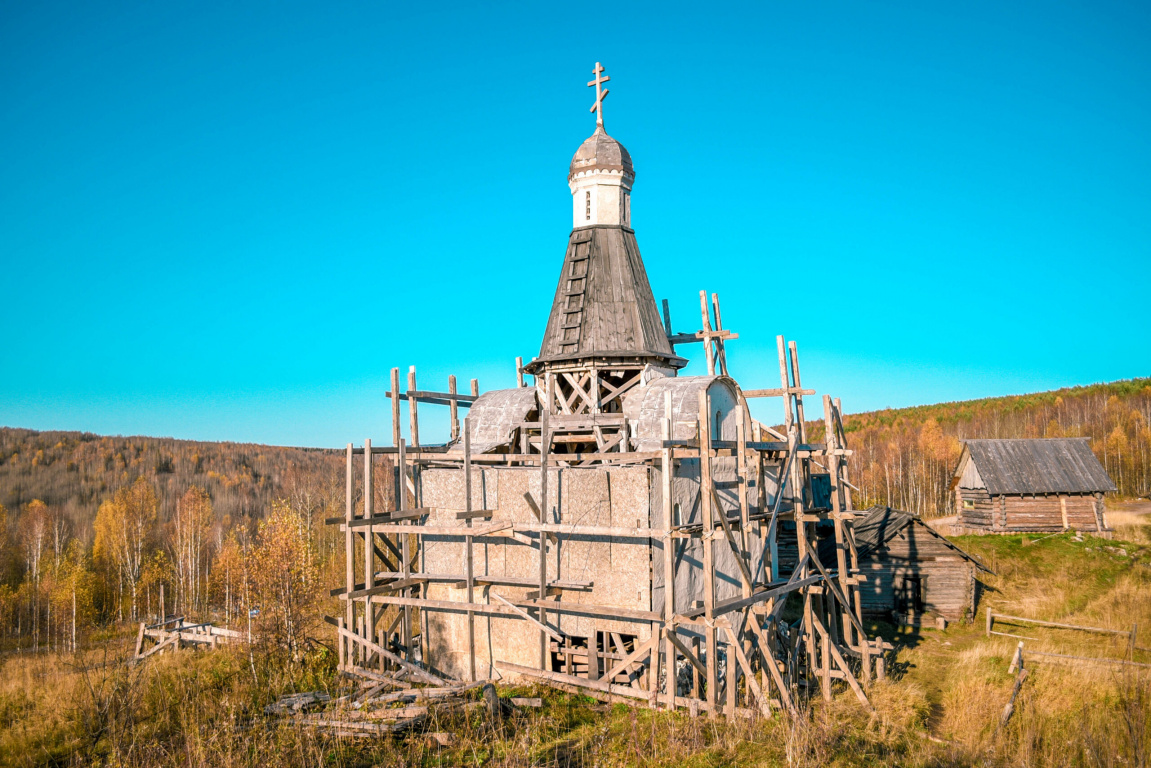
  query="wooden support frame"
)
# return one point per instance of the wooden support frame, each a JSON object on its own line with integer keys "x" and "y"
{"x": 578, "y": 410}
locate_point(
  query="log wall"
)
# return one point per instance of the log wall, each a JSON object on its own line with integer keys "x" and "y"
{"x": 1040, "y": 513}
{"x": 947, "y": 580}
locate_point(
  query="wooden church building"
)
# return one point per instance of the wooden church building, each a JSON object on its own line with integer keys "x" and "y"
{"x": 1015, "y": 486}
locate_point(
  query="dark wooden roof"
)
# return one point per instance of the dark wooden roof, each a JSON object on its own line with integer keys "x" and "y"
{"x": 603, "y": 306}
{"x": 1049, "y": 465}
{"x": 881, "y": 524}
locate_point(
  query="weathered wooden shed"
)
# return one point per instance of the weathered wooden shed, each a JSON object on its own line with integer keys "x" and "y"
{"x": 1013, "y": 486}
{"x": 911, "y": 570}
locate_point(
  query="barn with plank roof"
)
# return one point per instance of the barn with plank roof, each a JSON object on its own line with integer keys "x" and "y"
{"x": 1024, "y": 486}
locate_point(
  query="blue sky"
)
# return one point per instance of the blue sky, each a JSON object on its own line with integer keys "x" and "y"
{"x": 229, "y": 221}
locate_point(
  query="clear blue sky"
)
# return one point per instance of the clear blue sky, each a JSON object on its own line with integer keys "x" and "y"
{"x": 229, "y": 222}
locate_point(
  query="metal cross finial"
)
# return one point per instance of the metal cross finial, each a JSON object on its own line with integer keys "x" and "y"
{"x": 599, "y": 95}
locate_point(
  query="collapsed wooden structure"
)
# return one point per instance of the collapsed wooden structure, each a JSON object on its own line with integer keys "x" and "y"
{"x": 615, "y": 528}
{"x": 174, "y": 633}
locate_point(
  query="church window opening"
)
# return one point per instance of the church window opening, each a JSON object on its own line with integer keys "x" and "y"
{"x": 587, "y": 203}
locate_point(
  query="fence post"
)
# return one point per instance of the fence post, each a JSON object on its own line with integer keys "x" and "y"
{"x": 989, "y": 621}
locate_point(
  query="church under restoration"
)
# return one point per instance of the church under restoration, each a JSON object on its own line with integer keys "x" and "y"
{"x": 611, "y": 521}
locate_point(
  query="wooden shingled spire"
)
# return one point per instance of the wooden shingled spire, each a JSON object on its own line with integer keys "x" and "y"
{"x": 604, "y": 328}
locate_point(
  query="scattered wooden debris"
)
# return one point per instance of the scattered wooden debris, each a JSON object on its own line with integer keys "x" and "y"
{"x": 372, "y": 712}
{"x": 521, "y": 701}
{"x": 173, "y": 633}
{"x": 297, "y": 702}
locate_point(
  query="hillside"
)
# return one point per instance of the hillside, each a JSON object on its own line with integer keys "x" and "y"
{"x": 74, "y": 471}
{"x": 904, "y": 457}
{"x": 95, "y": 519}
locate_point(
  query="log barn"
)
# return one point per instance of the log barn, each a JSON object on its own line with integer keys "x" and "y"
{"x": 1037, "y": 485}
{"x": 911, "y": 571}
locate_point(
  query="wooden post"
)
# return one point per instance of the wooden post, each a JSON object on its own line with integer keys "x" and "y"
{"x": 989, "y": 621}
{"x": 696, "y": 687}
{"x": 831, "y": 440}
{"x": 825, "y": 654}
{"x": 413, "y": 410}
{"x": 1063, "y": 510}
{"x": 741, "y": 470}
{"x": 785, "y": 385}
{"x": 470, "y": 573}
{"x": 800, "y": 420}
{"x": 721, "y": 351}
{"x": 1016, "y": 659}
{"x": 454, "y": 408}
{"x": 395, "y": 410}
{"x": 405, "y": 565}
{"x": 709, "y": 351}
{"x": 593, "y": 654}
{"x": 349, "y": 555}
{"x": 846, "y": 488}
{"x": 706, "y": 489}
{"x": 545, "y": 448}
{"x": 369, "y": 540}
{"x": 732, "y": 679}
{"x": 668, "y": 474}
{"x": 341, "y": 643}
{"x": 519, "y": 372}
{"x": 475, "y": 387}
{"x": 653, "y": 665}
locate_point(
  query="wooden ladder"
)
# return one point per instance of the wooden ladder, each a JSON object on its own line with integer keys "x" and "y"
{"x": 574, "y": 291}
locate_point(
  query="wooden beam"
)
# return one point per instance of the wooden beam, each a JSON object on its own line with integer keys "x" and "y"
{"x": 560, "y": 637}
{"x": 412, "y": 669}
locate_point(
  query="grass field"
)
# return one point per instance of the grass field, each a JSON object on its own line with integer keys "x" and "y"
{"x": 941, "y": 705}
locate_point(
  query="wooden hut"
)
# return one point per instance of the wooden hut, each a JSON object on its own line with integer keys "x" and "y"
{"x": 1013, "y": 486}
{"x": 912, "y": 571}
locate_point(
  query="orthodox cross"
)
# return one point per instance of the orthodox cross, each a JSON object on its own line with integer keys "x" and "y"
{"x": 600, "y": 95}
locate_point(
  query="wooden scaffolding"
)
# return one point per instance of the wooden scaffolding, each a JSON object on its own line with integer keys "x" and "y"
{"x": 775, "y": 650}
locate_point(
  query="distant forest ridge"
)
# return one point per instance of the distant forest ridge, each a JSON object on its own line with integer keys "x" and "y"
{"x": 904, "y": 457}
{"x": 74, "y": 471}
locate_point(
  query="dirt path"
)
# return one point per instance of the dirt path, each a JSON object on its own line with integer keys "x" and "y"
{"x": 1134, "y": 507}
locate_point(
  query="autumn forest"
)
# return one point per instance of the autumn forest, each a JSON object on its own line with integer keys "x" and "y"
{"x": 96, "y": 531}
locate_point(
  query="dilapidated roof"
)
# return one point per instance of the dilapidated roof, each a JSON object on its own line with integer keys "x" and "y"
{"x": 1047, "y": 465}
{"x": 882, "y": 524}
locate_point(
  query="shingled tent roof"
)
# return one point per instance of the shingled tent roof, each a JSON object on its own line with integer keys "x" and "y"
{"x": 1048, "y": 465}
{"x": 882, "y": 524}
{"x": 603, "y": 305}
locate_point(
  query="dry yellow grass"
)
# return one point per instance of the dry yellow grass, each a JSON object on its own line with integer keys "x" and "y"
{"x": 941, "y": 705}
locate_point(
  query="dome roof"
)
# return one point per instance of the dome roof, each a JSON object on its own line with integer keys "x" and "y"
{"x": 601, "y": 151}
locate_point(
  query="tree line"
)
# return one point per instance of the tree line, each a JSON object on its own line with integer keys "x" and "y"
{"x": 905, "y": 457}
{"x": 95, "y": 530}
